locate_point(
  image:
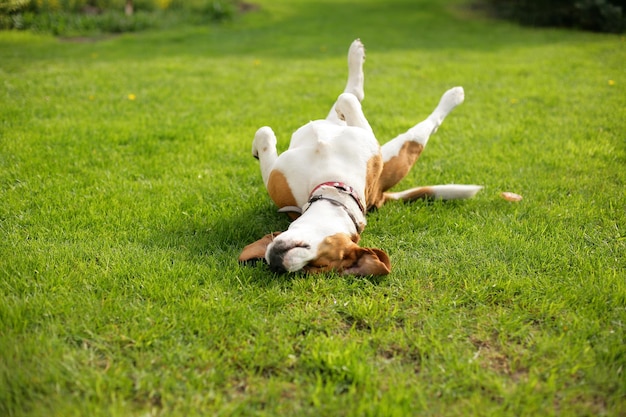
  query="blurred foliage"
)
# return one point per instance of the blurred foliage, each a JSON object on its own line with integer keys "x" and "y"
{"x": 594, "y": 15}
{"x": 79, "y": 17}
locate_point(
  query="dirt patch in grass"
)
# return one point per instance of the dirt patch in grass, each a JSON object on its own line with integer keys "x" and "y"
{"x": 490, "y": 356}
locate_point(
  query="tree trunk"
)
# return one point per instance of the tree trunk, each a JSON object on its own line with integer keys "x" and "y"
{"x": 129, "y": 7}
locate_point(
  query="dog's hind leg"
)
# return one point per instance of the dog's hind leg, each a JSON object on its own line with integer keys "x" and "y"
{"x": 400, "y": 153}
{"x": 264, "y": 149}
{"x": 356, "y": 77}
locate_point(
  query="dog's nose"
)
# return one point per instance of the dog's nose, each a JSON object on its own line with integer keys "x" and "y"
{"x": 276, "y": 255}
{"x": 277, "y": 268}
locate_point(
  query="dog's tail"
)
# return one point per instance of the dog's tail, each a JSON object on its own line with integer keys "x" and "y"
{"x": 435, "y": 192}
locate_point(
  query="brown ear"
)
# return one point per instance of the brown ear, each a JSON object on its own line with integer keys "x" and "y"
{"x": 369, "y": 262}
{"x": 255, "y": 251}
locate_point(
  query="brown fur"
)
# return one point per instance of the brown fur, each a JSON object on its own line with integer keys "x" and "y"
{"x": 373, "y": 191}
{"x": 397, "y": 167}
{"x": 256, "y": 250}
{"x": 279, "y": 191}
{"x": 341, "y": 254}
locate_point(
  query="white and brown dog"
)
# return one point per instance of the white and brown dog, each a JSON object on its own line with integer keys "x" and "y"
{"x": 333, "y": 173}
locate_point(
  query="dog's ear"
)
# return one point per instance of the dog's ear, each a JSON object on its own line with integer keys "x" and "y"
{"x": 256, "y": 251}
{"x": 369, "y": 262}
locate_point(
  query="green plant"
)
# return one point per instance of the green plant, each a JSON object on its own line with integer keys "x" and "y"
{"x": 602, "y": 15}
{"x": 12, "y": 6}
{"x": 595, "y": 15}
{"x": 83, "y": 17}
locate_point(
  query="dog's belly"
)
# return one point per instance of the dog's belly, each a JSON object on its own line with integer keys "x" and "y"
{"x": 321, "y": 151}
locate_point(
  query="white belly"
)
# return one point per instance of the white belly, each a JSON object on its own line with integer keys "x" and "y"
{"x": 321, "y": 151}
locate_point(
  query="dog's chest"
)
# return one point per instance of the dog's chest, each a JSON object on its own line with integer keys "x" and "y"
{"x": 319, "y": 152}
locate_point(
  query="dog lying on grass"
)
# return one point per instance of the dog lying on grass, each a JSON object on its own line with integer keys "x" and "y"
{"x": 333, "y": 173}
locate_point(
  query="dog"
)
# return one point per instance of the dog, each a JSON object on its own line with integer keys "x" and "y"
{"x": 332, "y": 174}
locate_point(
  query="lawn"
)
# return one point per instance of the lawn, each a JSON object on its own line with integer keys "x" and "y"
{"x": 127, "y": 191}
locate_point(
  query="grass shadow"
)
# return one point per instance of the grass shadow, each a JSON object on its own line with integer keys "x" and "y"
{"x": 225, "y": 231}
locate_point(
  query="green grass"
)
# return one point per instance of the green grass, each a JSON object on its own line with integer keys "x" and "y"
{"x": 121, "y": 221}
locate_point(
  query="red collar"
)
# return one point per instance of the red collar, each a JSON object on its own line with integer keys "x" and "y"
{"x": 342, "y": 187}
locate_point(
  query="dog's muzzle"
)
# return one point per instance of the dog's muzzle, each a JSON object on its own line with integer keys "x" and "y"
{"x": 277, "y": 253}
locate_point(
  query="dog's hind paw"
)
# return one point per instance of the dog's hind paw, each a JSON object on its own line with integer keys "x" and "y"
{"x": 356, "y": 58}
{"x": 356, "y": 54}
{"x": 451, "y": 98}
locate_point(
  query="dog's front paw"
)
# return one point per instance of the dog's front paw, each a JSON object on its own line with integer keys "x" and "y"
{"x": 346, "y": 105}
{"x": 264, "y": 141}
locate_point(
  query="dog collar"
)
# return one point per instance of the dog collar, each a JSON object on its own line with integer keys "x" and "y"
{"x": 341, "y": 187}
{"x": 339, "y": 190}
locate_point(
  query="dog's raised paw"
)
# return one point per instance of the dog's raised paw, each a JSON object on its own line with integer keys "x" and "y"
{"x": 356, "y": 57}
{"x": 356, "y": 54}
{"x": 264, "y": 140}
{"x": 346, "y": 105}
{"x": 452, "y": 98}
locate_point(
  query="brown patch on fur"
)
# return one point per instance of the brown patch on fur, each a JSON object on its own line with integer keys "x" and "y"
{"x": 339, "y": 253}
{"x": 373, "y": 191}
{"x": 423, "y": 193}
{"x": 256, "y": 250}
{"x": 397, "y": 167}
{"x": 279, "y": 191}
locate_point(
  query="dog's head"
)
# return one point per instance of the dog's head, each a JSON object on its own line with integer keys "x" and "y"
{"x": 313, "y": 252}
